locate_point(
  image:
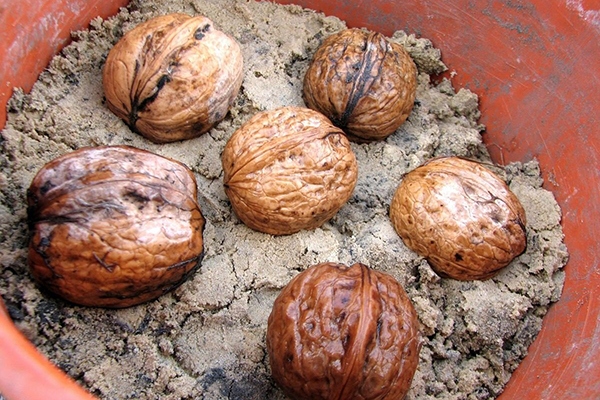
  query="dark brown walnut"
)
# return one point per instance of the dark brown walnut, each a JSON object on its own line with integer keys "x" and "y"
{"x": 113, "y": 226}
{"x": 365, "y": 84}
{"x": 343, "y": 333}
{"x": 461, "y": 216}
{"x": 288, "y": 169}
{"x": 173, "y": 77}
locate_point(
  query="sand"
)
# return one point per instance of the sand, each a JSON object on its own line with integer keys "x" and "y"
{"x": 206, "y": 340}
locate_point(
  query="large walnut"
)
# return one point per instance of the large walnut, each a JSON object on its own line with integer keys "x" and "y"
{"x": 344, "y": 333}
{"x": 362, "y": 82}
{"x": 288, "y": 169}
{"x": 113, "y": 226}
{"x": 173, "y": 77}
{"x": 461, "y": 216}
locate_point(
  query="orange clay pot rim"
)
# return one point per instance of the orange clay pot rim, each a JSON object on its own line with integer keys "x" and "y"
{"x": 532, "y": 62}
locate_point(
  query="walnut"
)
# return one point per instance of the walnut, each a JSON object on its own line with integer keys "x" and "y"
{"x": 365, "y": 84}
{"x": 288, "y": 169}
{"x": 461, "y": 216}
{"x": 338, "y": 332}
{"x": 113, "y": 226}
{"x": 173, "y": 77}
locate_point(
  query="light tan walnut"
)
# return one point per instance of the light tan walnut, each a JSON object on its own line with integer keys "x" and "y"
{"x": 346, "y": 333}
{"x": 288, "y": 169}
{"x": 461, "y": 216}
{"x": 173, "y": 77}
{"x": 361, "y": 81}
{"x": 113, "y": 226}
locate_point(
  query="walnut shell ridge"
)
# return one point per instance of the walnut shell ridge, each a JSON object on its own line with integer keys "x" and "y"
{"x": 288, "y": 169}
{"x": 461, "y": 216}
{"x": 361, "y": 81}
{"x": 113, "y": 226}
{"x": 344, "y": 333}
{"x": 173, "y": 77}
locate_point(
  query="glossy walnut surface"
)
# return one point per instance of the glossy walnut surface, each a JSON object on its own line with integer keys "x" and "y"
{"x": 364, "y": 83}
{"x": 461, "y": 216}
{"x": 343, "y": 333}
{"x": 113, "y": 226}
{"x": 173, "y": 77}
{"x": 288, "y": 169}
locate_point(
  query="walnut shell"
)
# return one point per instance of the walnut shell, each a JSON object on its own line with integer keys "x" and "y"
{"x": 461, "y": 216}
{"x": 365, "y": 84}
{"x": 173, "y": 77}
{"x": 113, "y": 226}
{"x": 288, "y": 169}
{"x": 338, "y": 332}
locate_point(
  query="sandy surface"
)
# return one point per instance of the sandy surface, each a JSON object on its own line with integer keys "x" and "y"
{"x": 206, "y": 340}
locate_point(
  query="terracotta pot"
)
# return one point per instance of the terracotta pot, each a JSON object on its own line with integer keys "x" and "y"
{"x": 535, "y": 65}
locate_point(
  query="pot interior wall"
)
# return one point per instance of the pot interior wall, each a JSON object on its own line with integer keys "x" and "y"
{"x": 534, "y": 64}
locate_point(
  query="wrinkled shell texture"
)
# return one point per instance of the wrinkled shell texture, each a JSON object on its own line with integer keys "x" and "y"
{"x": 339, "y": 332}
{"x": 460, "y": 216}
{"x": 288, "y": 169}
{"x": 113, "y": 226}
{"x": 364, "y": 83}
{"x": 173, "y": 77}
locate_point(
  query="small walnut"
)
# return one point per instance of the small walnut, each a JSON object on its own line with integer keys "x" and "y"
{"x": 173, "y": 77}
{"x": 338, "y": 332}
{"x": 288, "y": 169}
{"x": 365, "y": 84}
{"x": 461, "y": 216}
{"x": 113, "y": 226}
